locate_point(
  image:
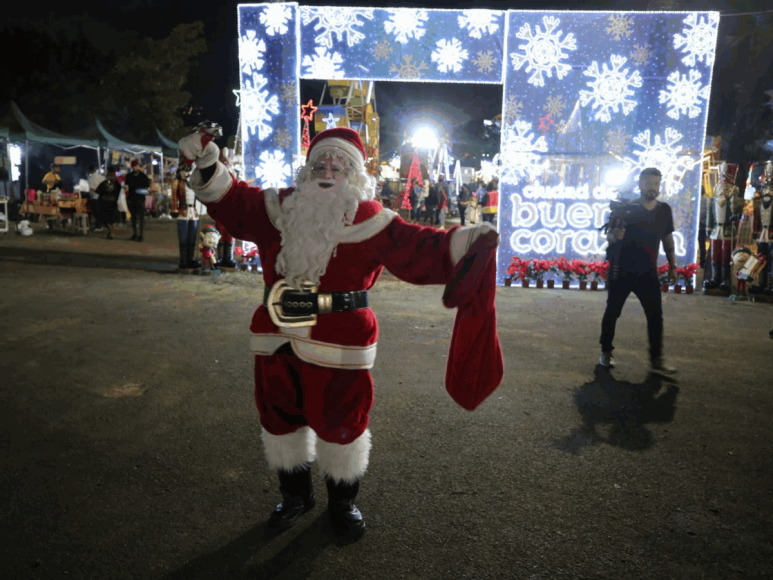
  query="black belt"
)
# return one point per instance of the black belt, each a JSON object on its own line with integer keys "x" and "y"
{"x": 301, "y": 303}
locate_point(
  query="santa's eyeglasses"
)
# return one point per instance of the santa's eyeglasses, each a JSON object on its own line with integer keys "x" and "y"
{"x": 322, "y": 168}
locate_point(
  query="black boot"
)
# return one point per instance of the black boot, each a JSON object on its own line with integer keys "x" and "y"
{"x": 724, "y": 285}
{"x": 192, "y": 232}
{"x": 183, "y": 265}
{"x": 713, "y": 282}
{"x": 189, "y": 253}
{"x": 345, "y": 518}
{"x": 297, "y": 498}
{"x": 227, "y": 260}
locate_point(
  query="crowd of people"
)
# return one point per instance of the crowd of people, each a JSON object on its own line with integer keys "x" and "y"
{"x": 430, "y": 206}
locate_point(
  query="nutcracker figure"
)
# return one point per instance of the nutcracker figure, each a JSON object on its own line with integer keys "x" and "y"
{"x": 225, "y": 248}
{"x": 183, "y": 206}
{"x": 764, "y": 243}
{"x": 723, "y": 211}
{"x": 208, "y": 246}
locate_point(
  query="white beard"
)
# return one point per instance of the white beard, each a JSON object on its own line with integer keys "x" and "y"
{"x": 311, "y": 218}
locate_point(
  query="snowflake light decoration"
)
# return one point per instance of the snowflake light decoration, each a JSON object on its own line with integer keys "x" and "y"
{"x": 684, "y": 93}
{"x": 336, "y": 22}
{"x": 287, "y": 92}
{"x": 520, "y": 150}
{"x": 406, "y": 24}
{"x": 449, "y": 55}
{"x": 251, "y": 51}
{"x": 698, "y": 38}
{"x": 408, "y": 69}
{"x": 619, "y": 25}
{"x": 283, "y": 139}
{"x": 382, "y": 49}
{"x": 323, "y": 65}
{"x": 611, "y": 88}
{"x": 273, "y": 170}
{"x": 257, "y": 106}
{"x": 478, "y": 22}
{"x": 512, "y": 109}
{"x": 274, "y": 17}
{"x": 616, "y": 140}
{"x": 663, "y": 153}
{"x": 485, "y": 61}
{"x": 641, "y": 54}
{"x": 543, "y": 51}
{"x": 555, "y": 106}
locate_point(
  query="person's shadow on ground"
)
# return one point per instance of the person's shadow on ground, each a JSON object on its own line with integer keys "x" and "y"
{"x": 622, "y": 410}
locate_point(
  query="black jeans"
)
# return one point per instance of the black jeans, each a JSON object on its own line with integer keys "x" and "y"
{"x": 136, "y": 205}
{"x": 647, "y": 289}
{"x": 462, "y": 212}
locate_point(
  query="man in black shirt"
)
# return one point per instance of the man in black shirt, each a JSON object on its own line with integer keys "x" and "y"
{"x": 137, "y": 184}
{"x": 634, "y": 240}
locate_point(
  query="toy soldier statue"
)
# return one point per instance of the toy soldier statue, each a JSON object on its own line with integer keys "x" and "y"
{"x": 727, "y": 203}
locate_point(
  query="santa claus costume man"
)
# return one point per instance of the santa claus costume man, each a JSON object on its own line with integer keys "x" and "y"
{"x": 726, "y": 205}
{"x": 323, "y": 244}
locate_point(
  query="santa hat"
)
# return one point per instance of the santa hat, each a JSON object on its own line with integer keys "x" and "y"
{"x": 475, "y": 366}
{"x": 341, "y": 139}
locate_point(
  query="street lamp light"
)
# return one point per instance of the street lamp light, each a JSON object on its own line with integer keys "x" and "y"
{"x": 425, "y": 137}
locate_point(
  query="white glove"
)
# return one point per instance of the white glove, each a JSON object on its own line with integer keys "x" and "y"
{"x": 190, "y": 148}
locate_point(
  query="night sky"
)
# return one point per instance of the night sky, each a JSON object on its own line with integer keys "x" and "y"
{"x": 212, "y": 82}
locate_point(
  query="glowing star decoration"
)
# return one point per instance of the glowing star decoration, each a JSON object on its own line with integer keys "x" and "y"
{"x": 406, "y": 24}
{"x": 238, "y": 95}
{"x": 449, "y": 55}
{"x": 382, "y": 49}
{"x": 666, "y": 155}
{"x": 336, "y": 23}
{"x": 684, "y": 93}
{"x": 408, "y": 69}
{"x": 611, "y": 88}
{"x": 545, "y": 123}
{"x": 520, "y": 149}
{"x": 273, "y": 170}
{"x": 257, "y": 106}
{"x": 251, "y": 51}
{"x": 478, "y": 22}
{"x": 543, "y": 51}
{"x": 308, "y": 110}
{"x": 330, "y": 121}
{"x": 641, "y": 54}
{"x": 698, "y": 38}
{"x": 323, "y": 65}
{"x": 274, "y": 17}
{"x": 619, "y": 25}
{"x": 555, "y": 106}
{"x": 485, "y": 61}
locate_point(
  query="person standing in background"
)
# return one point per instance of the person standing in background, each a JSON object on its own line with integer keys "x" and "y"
{"x": 94, "y": 180}
{"x": 137, "y": 184}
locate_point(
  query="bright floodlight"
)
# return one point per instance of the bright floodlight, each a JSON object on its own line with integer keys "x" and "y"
{"x": 615, "y": 176}
{"x": 424, "y": 137}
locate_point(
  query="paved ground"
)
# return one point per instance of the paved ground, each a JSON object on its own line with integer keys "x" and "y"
{"x": 130, "y": 441}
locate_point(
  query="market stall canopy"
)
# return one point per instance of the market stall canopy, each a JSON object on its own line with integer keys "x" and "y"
{"x": 116, "y": 143}
{"x": 169, "y": 146}
{"x": 26, "y": 130}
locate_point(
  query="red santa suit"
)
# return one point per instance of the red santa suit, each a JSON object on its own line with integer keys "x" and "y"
{"x": 316, "y": 395}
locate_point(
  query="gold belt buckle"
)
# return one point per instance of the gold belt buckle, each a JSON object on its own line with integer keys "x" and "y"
{"x": 277, "y": 314}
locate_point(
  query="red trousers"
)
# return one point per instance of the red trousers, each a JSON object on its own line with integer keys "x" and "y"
{"x": 291, "y": 393}
{"x": 720, "y": 252}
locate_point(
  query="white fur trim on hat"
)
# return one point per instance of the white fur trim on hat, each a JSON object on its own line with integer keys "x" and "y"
{"x": 338, "y": 144}
{"x": 216, "y": 188}
{"x": 289, "y": 452}
{"x": 344, "y": 463}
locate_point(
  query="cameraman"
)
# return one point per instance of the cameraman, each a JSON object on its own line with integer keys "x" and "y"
{"x": 636, "y": 231}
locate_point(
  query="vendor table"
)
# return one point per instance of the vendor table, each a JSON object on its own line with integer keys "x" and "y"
{"x": 61, "y": 208}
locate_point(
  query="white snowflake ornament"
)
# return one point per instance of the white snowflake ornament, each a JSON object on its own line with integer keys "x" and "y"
{"x": 663, "y": 153}
{"x": 274, "y": 17}
{"x": 406, "y": 24}
{"x": 251, "y": 51}
{"x": 257, "y": 105}
{"x": 273, "y": 170}
{"x": 485, "y": 61}
{"x": 336, "y": 23}
{"x": 611, "y": 88}
{"x": 543, "y": 51}
{"x": 698, "y": 38}
{"x": 449, "y": 55}
{"x": 520, "y": 148}
{"x": 684, "y": 93}
{"x": 478, "y": 22}
{"x": 619, "y": 25}
{"x": 323, "y": 65}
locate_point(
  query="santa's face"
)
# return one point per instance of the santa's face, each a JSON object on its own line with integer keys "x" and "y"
{"x": 740, "y": 258}
{"x": 329, "y": 170}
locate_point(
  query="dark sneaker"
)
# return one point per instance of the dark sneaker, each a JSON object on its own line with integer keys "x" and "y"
{"x": 606, "y": 360}
{"x": 139, "y": 239}
{"x": 658, "y": 366}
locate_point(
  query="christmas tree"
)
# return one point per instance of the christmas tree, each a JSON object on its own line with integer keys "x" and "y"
{"x": 415, "y": 171}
